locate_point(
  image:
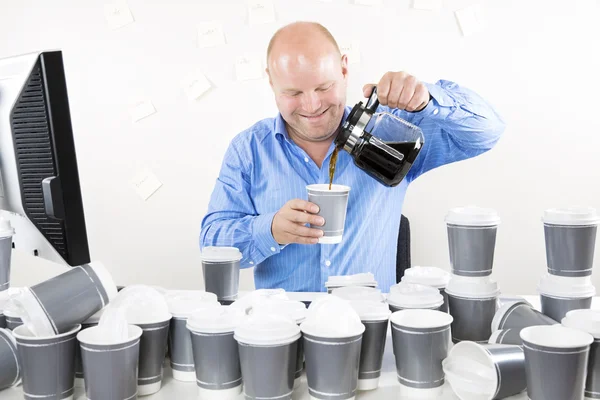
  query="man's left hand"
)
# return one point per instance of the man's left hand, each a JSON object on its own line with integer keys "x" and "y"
{"x": 400, "y": 90}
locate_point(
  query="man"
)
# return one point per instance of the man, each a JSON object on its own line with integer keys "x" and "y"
{"x": 258, "y": 204}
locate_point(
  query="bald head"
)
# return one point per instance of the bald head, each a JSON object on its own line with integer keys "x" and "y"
{"x": 299, "y": 37}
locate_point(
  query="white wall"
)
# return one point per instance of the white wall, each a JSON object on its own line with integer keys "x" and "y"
{"x": 537, "y": 61}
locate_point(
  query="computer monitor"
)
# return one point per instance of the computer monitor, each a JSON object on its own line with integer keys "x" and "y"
{"x": 39, "y": 181}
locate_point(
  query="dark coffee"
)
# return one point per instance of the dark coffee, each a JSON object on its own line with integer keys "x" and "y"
{"x": 332, "y": 163}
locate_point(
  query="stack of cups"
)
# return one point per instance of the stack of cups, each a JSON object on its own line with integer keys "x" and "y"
{"x": 182, "y": 304}
{"x": 472, "y": 294}
{"x": 147, "y": 308}
{"x": 421, "y": 340}
{"x": 216, "y": 355}
{"x": 588, "y": 321}
{"x": 268, "y": 348}
{"x": 6, "y": 234}
{"x": 332, "y": 334}
{"x": 221, "y": 271}
{"x": 429, "y": 276}
{"x": 374, "y": 315}
{"x": 414, "y": 296}
{"x": 570, "y": 238}
{"x": 296, "y": 310}
{"x": 366, "y": 279}
{"x": 472, "y": 303}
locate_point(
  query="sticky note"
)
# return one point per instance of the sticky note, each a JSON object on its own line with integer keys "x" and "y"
{"x": 195, "y": 85}
{"x": 368, "y": 2}
{"x": 141, "y": 109}
{"x": 428, "y": 5}
{"x": 248, "y": 67}
{"x": 261, "y": 12}
{"x": 210, "y": 34}
{"x": 352, "y": 50}
{"x": 145, "y": 183}
{"x": 118, "y": 14}
{"x": 470, "y": 19}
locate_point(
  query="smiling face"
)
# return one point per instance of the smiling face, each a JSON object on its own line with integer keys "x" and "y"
{"x": 308, "y": 77}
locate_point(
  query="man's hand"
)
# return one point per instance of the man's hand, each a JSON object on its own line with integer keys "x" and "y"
{"x": 400, "y": 90}
{"x": 288, "y": 223}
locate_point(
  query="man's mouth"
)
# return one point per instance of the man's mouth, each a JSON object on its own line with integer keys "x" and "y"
{"x": 314, "y": 116}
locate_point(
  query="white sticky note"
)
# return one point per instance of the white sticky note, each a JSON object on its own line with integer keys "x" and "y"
{"x": 248, "y": 67}
{"x": 145, "y": 183}
{"x": 368, "y": 2}
{"x": 470, "y": 19}
{"x": 117, "y": 14}
{"x": 352, "y": 50}
{"x": 195, "y": 85}
{"x": 428, "y": 5}
{"x": 261, "y": 12}
{"x": 210, "y": 34}
{"x": 141, "y": 109}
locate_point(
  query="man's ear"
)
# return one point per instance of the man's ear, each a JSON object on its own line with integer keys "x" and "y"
{"x": 344, "y": 62}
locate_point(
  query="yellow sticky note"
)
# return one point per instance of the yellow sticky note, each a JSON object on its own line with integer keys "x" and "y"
{"x": 141, "y": 109}
{"x": 248, "y": 67}
{"x": 352, "y": 50}
{"x": 118, "y": 14}
{"x": 195, "y": 85}
{"x": 145, "y": 183}
{"x": 210, "y": 34}
{"x": 261, "y": 12}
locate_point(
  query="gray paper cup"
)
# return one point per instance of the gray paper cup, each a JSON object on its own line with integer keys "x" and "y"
{"x": 558, "y": 307}
{"x": 485, "y": 372}
{"x": 92, "y": 321}
{"x": 6, "y": 233}
{"x": 221, "y": 271}
{"x": 507, "y": 336}
{"x": 111, "y": 370}
{"x": 559, "y": 295}
{"x": 519, "y": 315}
{"x": 421, "y": 339}
{"x": 49, "y": 308}
{"x": 332, "y": 207}
{"x": 10, "y": 371}
{"x": 268, "y": 346}
{"x": 153, "y": 345}
{"x": 588, "y": 321}
{"x": 47, "y": 363}
{"x": 216, "y": 356}
{"x": 374, "y": 315}
{"x": 556, "y": 361}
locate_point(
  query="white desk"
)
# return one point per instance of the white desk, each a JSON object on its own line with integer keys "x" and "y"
{"x": 388, "y": 384}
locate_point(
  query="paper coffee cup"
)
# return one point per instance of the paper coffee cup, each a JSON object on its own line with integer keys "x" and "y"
{"x": 221, "y": 271}
{"x": 10, "y": 370}
{"x": 412, "y": 295}
{"x": 366, "y": 279}
{"x": 429, "y": 276}
{"x": 559, "y": 295}
{"x": 472, "y": 240}
{"x": 332, "y": 207}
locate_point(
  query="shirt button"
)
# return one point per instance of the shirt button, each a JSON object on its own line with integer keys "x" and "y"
{"x": 305, "y": 159}
{"x": 436, "y": 111}
{"x": 251, "y": 262}
{"x": 328, "y": 263}
{"x": 272, "y": 248}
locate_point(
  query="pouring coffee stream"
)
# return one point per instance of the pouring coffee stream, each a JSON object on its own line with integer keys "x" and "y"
{"x": 387, "y": 162}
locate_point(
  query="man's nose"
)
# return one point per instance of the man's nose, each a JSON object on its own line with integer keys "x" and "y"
{"x": 312, "y": 102}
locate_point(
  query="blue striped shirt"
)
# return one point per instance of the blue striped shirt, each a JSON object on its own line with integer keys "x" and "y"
{"x": 263, "y": 169}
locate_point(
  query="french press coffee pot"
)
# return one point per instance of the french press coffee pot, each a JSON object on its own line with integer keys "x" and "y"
{"x": 387, "y": 162}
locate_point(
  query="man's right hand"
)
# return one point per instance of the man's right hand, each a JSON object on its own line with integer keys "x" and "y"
{"x": 289, "y": 223}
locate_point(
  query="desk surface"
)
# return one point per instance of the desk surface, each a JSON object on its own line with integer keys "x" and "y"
{"x": 388, "y": 384}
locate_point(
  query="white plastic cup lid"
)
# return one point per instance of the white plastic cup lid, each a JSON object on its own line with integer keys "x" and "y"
{"x": 584, "y": 320}
{"x": 430, "y": 276}
{"x": 413, "y": 295}
{"x": 324, "y": 187}
{"x": 571, "y": 216}
{"x": 369, "y": 310}
{"x": 353, "y": 293}
{"x": 142, "y": 305}
{"x": 96, "y": 335}
{"x": 217, "y": 319}
{"x": 220, "y": 254}
{"x": 556, "y": 336}
{"x": 267, "y": 329}
{"x": 183, "y": 303}
{"x": 421, "y": 319}
{"x": 479, "y": 287}
{"x": 362, "y": 279}
{"x": 332, "y": 317}
{"x": 248, "y": 301}
{"x": 472, "y": 216}
{"x": 6, "y": 229}
{"x": 470, "y": 371}
{"x": 296, "y": 310}
{"x": 566, "y": 287}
